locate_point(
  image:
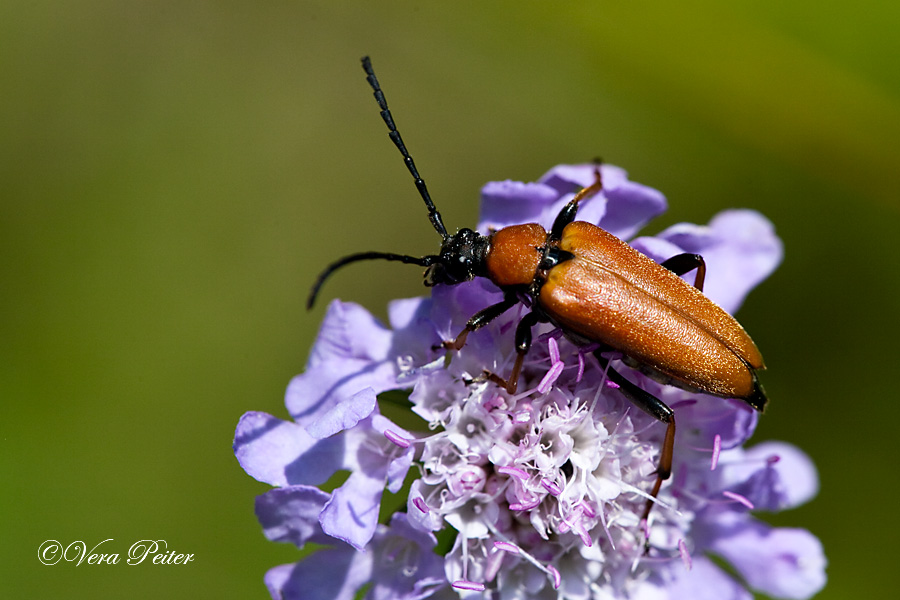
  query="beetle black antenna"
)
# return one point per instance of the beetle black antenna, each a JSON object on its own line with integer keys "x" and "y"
{"x": 433, "y": 213}
{"x": 424, "y": 261}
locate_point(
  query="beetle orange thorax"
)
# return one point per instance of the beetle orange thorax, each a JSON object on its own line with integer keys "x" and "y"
{"x": 515, "y": 254}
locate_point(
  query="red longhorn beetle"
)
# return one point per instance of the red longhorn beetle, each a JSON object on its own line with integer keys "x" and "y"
{"x": 598, "y": 290}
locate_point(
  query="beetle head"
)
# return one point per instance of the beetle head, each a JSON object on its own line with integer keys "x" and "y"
{"x": 461, "y": 259}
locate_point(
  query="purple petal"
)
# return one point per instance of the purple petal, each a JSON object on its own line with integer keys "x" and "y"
{"x": 352, "y": 513}
{"x": 425, "y": 520}
{"x": 281, "y": 453}
{"x": 406, "y": 568}
{"x": 740, "y": 249}
{"x": 505, "y": 203}
{"x": 453, "y": 305}
{"x": 591, "y": 210}
{"x": 292, "y": 514}
{"x": 350, "y": 353}
{"x": 569, "y": 179}
{"x": 344, "y": 415}
{"x": 276, "y": 578}
{"x": 400, "y": 459}
{"x": 733, "y": 420}
{"x": 630, "y": 206}
{"x": 780, "y": 562}
{"x": 656, "y": 248}
{"x": 774, "y": 476}
{"x": 626, "y": 206}
{"x": 705, "y": 581}
{"x": 407, "y": 312}
{"x": 329, "y": 574}
{"x": 415, "y": 335}
{"x": 400, "y": 526}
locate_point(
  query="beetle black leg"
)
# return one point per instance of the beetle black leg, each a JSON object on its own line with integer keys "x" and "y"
{"x": 657, "y": 409}
{"x": 682, "y": 263}
{"x": 523, "y": 344}
{"x": 567, "y": 214}
{"x": 480, "y": 319}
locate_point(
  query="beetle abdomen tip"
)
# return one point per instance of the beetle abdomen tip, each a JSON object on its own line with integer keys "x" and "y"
{"x": 757, "y": 398}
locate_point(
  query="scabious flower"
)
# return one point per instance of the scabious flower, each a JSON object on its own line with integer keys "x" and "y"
{"x": 540, "y": 493}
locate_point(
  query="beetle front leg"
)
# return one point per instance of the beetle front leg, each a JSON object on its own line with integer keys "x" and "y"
{"x": 567, "y": 214}
{"x": 657, "y": 409}
{"x": 480, "y": 319}
{"x": 683, "y": 263}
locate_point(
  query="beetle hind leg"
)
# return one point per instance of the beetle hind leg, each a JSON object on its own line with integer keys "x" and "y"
{"x": 684, "y": 263}
{"x": 657, "y": 409}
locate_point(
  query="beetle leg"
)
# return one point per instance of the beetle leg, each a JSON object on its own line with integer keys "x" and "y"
{"x": 480, "y": 319}
{"x": 657, "y": 409}
{"x": 682, "y": 263}
{"x": 523, "y": 344}
{"x": 567, "y": 214}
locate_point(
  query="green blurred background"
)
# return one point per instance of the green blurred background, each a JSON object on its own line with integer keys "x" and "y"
{"x": 175, "y": 173}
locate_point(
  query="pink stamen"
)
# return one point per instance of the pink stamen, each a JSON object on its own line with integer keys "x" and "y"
{"x": 550, "y": 378}
{"x": 528, "y": 505}
{"x": 773, "y": 459}
{"x": 612, "y": 384}
{"x": 583, "y": 534}
{"x": 685, "y": 555}
{"x": 557, "y": 579}
{"x": 738, "y": 498}
{"x": 506, "y": 547}
{"x": 554, "y": 350}
{"x": 462, "y": 584}
{"x": 419, "y": 503}
{"x": 494, "y": 562}
{"x": 551, "y": 486}
{"x": 402, "y": 442}
{"x": 717, "y": 448}
{"x": 513, "y": 472}
{"x": 588, "y": 509}
{"x": 580, "y": 368}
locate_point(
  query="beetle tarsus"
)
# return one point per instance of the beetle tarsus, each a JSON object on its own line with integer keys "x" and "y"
{"x": 510, "y": 385}
{"x": 456, "y": 343}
